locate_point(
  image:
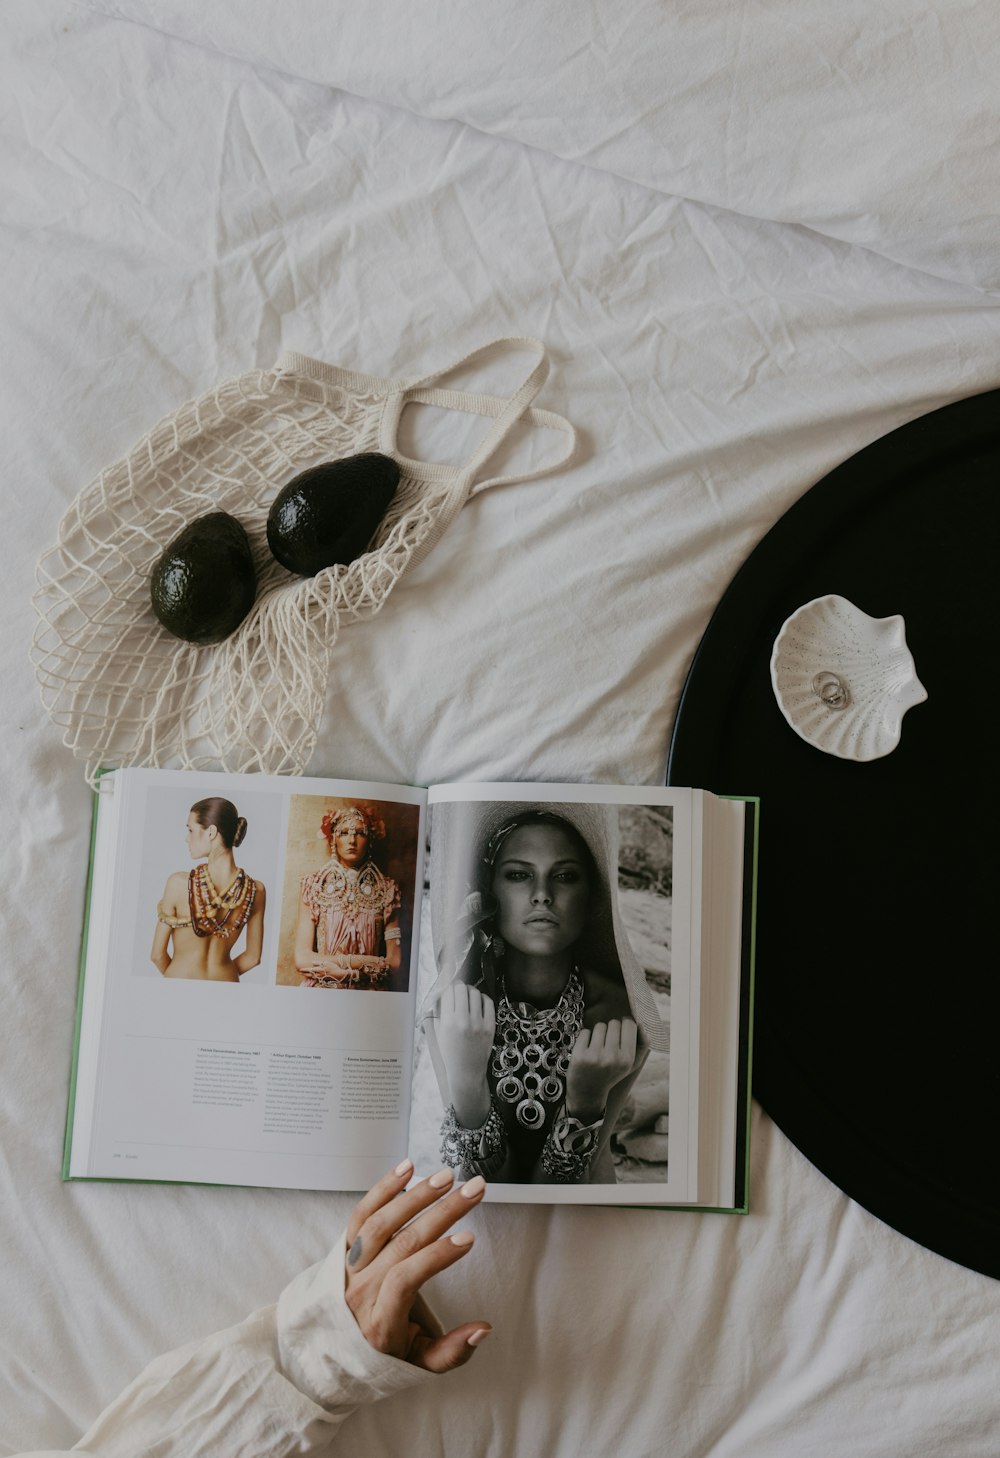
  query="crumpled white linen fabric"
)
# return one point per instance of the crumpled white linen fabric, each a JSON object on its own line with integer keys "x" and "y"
{"x": 171, "y": 216}
{"x": 844, "y": 118}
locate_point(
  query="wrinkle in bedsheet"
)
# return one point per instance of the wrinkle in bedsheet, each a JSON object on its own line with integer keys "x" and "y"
{"x": 830, "y": 117}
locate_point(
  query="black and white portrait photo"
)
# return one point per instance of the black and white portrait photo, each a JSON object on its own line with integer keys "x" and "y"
{"x": 543, "y": 1041}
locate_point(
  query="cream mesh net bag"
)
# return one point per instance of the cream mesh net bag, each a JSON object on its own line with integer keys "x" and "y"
{"x": 123, "y": 689}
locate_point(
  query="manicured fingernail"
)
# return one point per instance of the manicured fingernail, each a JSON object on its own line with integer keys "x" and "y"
{"x": 462, "y": 1237}
{"x": 473, "y": 1187}
{"x": 474, "y": 1338}
{"x": 403, "y": 1168}
{"x": 442, "y": 1178}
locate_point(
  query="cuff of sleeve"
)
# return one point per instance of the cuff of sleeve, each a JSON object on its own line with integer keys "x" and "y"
{"x": 321, "y": 1346}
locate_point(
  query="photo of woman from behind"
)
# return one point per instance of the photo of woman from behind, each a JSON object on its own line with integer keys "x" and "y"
{"x": 203, "y": 912}
{"x": 348, "y": 933}
{"x": 540, "y": 1020}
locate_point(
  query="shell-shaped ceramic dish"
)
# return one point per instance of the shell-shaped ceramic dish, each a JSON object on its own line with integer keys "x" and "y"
{"x": 844, "y": 680}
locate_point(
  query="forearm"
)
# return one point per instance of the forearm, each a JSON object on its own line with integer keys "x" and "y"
{"x": 279, "y": 1383}
{"x": 587, "y": 1111}
{"x": 342, "y": 962}
{"x": 305, "y": 939}
{"x": 586, "y": 1107}
{"x": 470, "y": 1099}
{"x": 160, "y": 952}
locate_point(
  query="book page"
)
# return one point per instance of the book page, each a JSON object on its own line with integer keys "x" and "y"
{"x": 561, "y": 911}
{"x": 292, "y": 1072}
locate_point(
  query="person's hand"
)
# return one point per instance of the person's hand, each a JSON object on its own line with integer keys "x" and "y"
{"x": 396, "y": 1240}
{"x": 601, "y": 1057}
{"x": 334, "y": 967}
{"x": 470, "y": 925}
{"x": 466, "y": 1024}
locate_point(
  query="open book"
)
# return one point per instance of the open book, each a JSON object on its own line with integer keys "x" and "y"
{"x": 295, "y": 982}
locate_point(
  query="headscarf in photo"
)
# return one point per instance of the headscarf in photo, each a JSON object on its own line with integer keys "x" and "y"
{"x": 462, "y": 909}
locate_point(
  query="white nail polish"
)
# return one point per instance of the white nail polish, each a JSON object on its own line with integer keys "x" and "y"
{"x": 476, "y": 1337}
{"x": 462, "y": 1237}
{"x": 473, "y": 1187}
{"x": 443, "y": 1178}
{"x": 403, "y": 1168}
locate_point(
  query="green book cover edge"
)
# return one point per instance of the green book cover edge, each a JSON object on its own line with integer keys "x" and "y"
{"x": 84, "y": 936}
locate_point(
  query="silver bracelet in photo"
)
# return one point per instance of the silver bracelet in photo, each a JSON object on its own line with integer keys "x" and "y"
{"x": 569, "y": 1149}
{"x": 477, "y": 1151}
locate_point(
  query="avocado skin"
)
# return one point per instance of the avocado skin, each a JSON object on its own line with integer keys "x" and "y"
{"x": 326, "y": 516}
{"x": 203, "y": 584}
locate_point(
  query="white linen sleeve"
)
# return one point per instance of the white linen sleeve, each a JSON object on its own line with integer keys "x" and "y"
{"x": 277, "y": 1384}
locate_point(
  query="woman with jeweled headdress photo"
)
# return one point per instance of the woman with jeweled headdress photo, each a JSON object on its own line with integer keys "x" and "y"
{"x": 540, "y": 1019}
{"x": 348, "y": 933}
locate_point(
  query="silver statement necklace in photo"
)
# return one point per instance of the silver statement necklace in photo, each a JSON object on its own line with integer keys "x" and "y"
{"x": 353, "y": 888}
{"x": 532, "y": 1049}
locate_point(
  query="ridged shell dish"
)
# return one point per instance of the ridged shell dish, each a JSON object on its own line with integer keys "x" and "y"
{"x": 844, "y": 680}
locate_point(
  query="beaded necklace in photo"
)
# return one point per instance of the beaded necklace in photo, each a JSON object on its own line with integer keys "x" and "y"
{"x": 216, "y": 913}
{"x": 531, "y": 1051}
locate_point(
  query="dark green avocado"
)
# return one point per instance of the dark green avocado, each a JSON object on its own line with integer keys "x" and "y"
{"x": 326, "y": 516}
{"x": 204, "y": 584}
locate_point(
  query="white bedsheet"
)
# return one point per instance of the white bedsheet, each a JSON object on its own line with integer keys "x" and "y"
{"x": 737, "y": 296}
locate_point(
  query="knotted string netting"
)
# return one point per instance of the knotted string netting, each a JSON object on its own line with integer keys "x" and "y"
{"x": 123, "y": 689}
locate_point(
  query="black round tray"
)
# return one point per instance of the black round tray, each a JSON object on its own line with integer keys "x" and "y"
{"x": 878, "y": 987}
